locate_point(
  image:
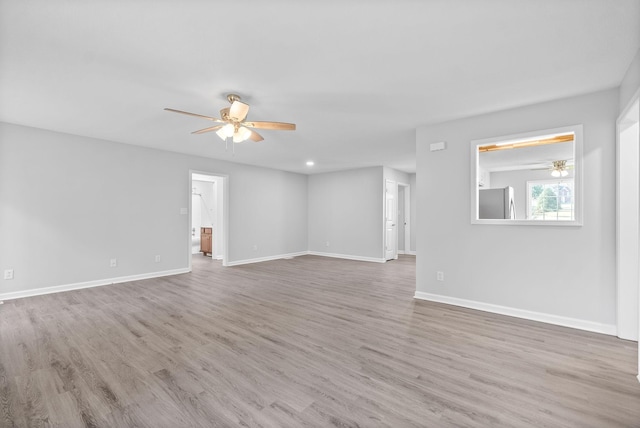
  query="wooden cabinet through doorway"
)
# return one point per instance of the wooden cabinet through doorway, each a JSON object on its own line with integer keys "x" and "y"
{"x": 206, "y": 235}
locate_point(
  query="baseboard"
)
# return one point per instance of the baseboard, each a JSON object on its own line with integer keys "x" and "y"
{"x": 579, "y": 324}
{"x": 266, "y": 259}
{"x": 347, "y": 257}
{"x": 406, "y": 252}
{"x": 89, "y": 284}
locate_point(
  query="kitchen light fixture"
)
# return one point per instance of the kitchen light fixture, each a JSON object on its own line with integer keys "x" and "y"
{"x": 559, "y": 168}
{"x": 310, "y": 163}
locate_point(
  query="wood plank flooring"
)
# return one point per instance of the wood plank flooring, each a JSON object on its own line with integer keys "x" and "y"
{"x": 306, "y": 342}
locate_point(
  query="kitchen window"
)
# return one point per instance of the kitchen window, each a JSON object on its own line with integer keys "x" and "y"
{"x": 551, "y": 200}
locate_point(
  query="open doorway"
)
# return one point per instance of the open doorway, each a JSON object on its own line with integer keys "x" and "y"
{"x": 391, "y": 220}
{"x": 207, "y": 216}
{"x": 397, "y": 215}
{"x": 404, "y": 217}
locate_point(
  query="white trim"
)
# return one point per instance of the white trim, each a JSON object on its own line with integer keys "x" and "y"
{"x": 629, "y": 106}
{"x": 305, "y": 253}
{"x": 225, "y": 212}
{"x": 348, "y": 257}
{"x": 266, "y": 259}
{"x": 410, "y": 253}
{"x": 577, "y": 175}
{"x": 407, "y": 216}
{"x": 579, "y": 324}
{"x": 90, "y": 284}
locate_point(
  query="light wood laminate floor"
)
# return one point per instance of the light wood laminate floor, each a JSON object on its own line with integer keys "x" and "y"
{"x": 307, "y": 342}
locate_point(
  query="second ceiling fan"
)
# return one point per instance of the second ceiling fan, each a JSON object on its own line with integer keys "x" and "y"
{"x": 234, "y": 123}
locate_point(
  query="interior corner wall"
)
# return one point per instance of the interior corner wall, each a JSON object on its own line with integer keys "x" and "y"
{"x": 395, "y": 175}
{"x": 69, "y": 204}
{"x": 345, "y": 211}
{"x": 630, "y": 83}
{"x": 564, "y": 272}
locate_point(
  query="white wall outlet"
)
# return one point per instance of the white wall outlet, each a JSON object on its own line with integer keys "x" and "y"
{"x": 326, "y": 244}
{"x": 184, "y": 211}
{"x": 8, "y": 274}
{"x": 158, "y": 258}
{"x": 113, "y": 262}
{"x": 440, "y": 275}
{"x": 255, "y": 247}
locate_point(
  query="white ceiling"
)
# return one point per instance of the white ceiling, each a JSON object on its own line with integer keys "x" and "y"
{"x": 357, "y": 77}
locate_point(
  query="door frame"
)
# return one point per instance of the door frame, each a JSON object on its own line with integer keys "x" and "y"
{"x": 628, "y": 227}
{"x": 394, "y": 186}
{"x": 225, "y": 213}
{"x": 407, "y": 217}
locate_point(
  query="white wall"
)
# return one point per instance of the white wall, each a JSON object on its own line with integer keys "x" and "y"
{"x": 567, "y": 273}
{"x": 345, "y": 209}
{"x": 630, "y": 83}
{"x": 395, "y": 175}
{"x": 68, "y": 204}
{"x": 207, "y": 212}
{"x": 518, "y": 180}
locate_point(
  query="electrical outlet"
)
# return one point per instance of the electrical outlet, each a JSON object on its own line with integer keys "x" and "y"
{"x": 255, "y": 247}
{"x": 113, "y": 262}
{"x": 158, "y": 258}
{"x": 8, "y": 274}
{"x": 326, "y": 244}
{"x": 440, "y": 276}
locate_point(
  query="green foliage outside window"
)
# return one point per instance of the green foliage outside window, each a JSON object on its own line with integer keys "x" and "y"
{"x": 547, "y": 201}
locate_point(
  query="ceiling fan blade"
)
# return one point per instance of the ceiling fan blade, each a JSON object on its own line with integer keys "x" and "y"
{"x": 255, "y": 136}
{"x": 278, "y": 126}
{"x": 214, "y": 119}
{"x": 211, "y": 128}
{"x": 238, "y": 111}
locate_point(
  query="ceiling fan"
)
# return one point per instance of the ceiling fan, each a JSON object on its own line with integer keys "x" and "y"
{"x": 558, "y": 168}
{"x": 234, "y": 123}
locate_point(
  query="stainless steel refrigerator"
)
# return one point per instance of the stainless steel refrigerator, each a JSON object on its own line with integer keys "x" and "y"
{"x": 496, "y": 203}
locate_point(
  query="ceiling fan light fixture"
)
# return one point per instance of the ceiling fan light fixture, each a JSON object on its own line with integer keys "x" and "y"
{"x": 242, "y": 134}
{"x": 225, "y": 132}
{"x": 235, "y": 124}
{"x": 559, "y": 169}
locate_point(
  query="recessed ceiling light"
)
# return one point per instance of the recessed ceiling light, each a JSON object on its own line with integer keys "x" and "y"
{"x": 310, "y": 163}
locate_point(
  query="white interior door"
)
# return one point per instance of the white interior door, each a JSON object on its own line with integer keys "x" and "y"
{"x": 391, "y": 217}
